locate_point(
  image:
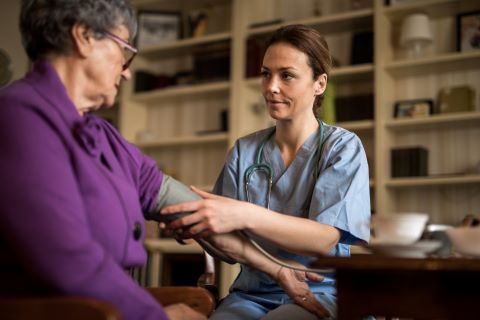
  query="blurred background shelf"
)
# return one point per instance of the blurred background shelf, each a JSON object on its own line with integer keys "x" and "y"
{"x": 361, "y": 125}
{"x": 433, "y": 181}
{"x": 433, "y": 8}
{"x": 184, "y": 141}
{"x": 345, "y": 21}
{"x": 446, "y": 62}
{"x": 436, "y": 121}
{"x": 180, "y": 91}
{"x": 182, "y": 46}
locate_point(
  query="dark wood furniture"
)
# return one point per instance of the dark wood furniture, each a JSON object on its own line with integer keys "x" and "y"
{"x": 201, "y": 298}
{"x": 76, "y": 308}
{"x": 430, "y": 288}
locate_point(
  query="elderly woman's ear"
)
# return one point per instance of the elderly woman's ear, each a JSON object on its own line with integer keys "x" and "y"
{"x": 82, "y": 39}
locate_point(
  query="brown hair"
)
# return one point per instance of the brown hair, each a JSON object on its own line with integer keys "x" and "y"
{"x": 310, "y": 42}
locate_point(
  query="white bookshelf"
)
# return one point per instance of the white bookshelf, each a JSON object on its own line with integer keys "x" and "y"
{"x": 155, "y": 96}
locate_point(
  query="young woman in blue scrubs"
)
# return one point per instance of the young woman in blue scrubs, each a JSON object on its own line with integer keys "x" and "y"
{"x": 316, "y": 204}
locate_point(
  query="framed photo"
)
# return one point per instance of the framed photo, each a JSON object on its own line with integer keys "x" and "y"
{"x": 468, "y": 31}
{"x": 157, "y": 27}
{"x": 413, "y": 108}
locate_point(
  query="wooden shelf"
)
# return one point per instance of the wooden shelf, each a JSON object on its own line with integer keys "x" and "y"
{"x": 334, "y": 23}
{"x": 447, "y": 62}
{"x": 183, "y": 46}
{"x": 452, "y": 120}
{"x": 339, "y": 74}
{"x": 434, "y": 181}
{"x": 181, "y": 91}
{"x": 362, "y": 125}
{"x": 184, "y": 141}
{"x": 433, "y": 8}
{"x": 353, "y": 72}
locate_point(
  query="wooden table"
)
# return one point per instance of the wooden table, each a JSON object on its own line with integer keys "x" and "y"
{"x": 430, "y": 288}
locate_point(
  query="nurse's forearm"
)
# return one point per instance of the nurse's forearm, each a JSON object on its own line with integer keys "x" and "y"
{"x": 294, "y": 234}
{"x": 239, "y": 248}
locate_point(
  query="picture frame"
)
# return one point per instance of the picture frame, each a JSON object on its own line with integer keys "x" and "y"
{"x": 413, "y": 108}
{"x": 468, "y": 31}
{"x": 157, "y": 27}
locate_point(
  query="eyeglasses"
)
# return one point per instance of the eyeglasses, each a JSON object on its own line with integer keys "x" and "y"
{"x": 129, "y": 51}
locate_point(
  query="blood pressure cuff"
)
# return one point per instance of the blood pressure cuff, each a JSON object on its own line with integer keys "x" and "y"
{"x": 172, "y": 192}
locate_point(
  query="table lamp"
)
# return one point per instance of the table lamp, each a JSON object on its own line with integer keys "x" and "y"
{"x": 415, "y": 34}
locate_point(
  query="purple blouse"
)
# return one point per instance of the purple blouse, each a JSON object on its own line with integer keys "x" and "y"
{"x": 72, "y": 196}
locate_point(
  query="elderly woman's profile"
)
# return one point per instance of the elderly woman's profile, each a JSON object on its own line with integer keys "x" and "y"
{"x": 74, "y": 192}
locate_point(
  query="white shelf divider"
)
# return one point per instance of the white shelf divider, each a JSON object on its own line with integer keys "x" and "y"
{"x": 182, "y": 45}
{"x": 434, "y": 181}
{"x": 434, "y": 121}
{"x": 335, "y": 20}
{"x": 360, "y": 125}
{"x": 446, "y": 62}
{"x": 433, "y": 8}
{"x": 182, "y": 91}
{"x": 184, "y": 141}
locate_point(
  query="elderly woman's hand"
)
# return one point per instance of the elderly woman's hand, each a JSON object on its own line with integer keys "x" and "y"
{"x": 295, "y": 285}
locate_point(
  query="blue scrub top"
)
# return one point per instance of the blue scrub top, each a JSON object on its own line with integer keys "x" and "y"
{"x": 339, "y": 197}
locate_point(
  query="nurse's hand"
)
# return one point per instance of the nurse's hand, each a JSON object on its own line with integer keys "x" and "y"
{"x": 211, "y": 215}
{"x": 295, "y": 285}
{"x": 180, "y": 311}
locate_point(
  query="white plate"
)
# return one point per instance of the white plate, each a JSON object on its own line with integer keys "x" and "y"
{"x": 418, "y": 249}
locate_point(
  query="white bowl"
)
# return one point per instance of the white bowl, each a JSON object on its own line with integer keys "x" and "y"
{"x": 465, "y": 240}
{"x": 399, "y": 228}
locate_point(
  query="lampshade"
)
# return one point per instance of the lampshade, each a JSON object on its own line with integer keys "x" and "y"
{"x": 415, "y": 30}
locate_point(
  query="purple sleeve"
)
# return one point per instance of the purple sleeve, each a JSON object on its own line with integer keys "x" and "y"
{"x": 44, "y": 220}
{"x": 144, "y": 170}
{"x": 149, "y": 184}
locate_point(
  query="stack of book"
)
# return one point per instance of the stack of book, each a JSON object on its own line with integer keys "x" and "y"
{"x": 409, "y": 162}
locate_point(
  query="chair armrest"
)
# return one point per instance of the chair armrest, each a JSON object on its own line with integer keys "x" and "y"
{"x": 57, "y": 308}
{"x": 198, "y": 299}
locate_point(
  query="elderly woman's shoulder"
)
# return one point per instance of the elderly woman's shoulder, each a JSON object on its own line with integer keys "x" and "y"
{"x": 17, "y": 92}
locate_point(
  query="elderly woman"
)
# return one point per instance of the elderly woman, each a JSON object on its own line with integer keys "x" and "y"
{"x": 74, "y": 192}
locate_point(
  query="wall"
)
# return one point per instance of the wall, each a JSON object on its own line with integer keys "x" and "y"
{"x": 10, "y": 40}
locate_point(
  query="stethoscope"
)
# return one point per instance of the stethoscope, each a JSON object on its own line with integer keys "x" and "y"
{"x": 267, "y": 169}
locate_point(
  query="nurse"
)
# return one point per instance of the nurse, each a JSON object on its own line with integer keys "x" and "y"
{"x": 316, "y": 204}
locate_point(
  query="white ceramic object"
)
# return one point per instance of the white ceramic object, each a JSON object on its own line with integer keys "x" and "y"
{"x": 419, "y": 249}
{"x": 465, "y": 241}
{"x": 398, "y": 229}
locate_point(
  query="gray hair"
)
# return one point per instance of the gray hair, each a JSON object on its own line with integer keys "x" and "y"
{"x": 46, "y": 25}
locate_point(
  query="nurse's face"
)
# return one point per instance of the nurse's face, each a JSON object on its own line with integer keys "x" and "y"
{"x": 287, "y": 82}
